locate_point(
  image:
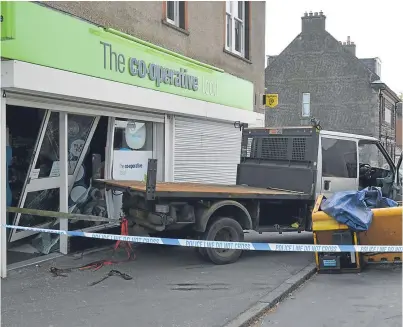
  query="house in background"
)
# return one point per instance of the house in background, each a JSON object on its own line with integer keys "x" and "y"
{"x": 319, "y": 76}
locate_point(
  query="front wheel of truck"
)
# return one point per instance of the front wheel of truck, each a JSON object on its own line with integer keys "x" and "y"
{"x": 225, "y": 230}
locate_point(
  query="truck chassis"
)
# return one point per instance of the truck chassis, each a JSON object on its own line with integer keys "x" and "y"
{"x": 211, "y": 212}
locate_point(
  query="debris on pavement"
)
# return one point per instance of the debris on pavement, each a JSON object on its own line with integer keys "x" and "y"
{"x": 112, "y": 273}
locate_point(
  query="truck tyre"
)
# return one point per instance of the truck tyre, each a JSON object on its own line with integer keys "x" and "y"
{"x": 226, "y": 230}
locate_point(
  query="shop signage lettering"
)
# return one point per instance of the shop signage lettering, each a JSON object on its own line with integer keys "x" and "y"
{"x": 137, "y": 67}
{"x": 209, "y": 88}
{"x": 130, "y": 165}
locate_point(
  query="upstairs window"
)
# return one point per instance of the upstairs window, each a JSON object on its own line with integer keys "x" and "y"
{"x": 388, "y": 112}
{"x": 388, "y": 116}
{"x": 306, "y": 104}
{"x": 237, "y": 27}
{"x": 175, "y": 13}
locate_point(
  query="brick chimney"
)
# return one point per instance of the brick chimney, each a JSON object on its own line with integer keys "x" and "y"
{"x": 349, "y": 46}
{"x": 313, "y": 22}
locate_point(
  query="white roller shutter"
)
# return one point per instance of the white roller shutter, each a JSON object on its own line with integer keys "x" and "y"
{"x": 206, "y": 151}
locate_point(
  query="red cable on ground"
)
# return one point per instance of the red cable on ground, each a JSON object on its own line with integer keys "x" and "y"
{"x": 96, "y": 265}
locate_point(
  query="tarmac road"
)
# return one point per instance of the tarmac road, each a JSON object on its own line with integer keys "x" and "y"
{"x": 372, "y": 298}
{"x": 171, "y": 286}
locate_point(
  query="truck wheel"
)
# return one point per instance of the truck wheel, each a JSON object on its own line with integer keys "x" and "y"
{"x": 226, "y": 230}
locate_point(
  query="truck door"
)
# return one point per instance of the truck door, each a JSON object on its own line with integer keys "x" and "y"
{"x": 338, "y": 160}
{"x": 376, "y": 167}
{"x": 398, "y": 181}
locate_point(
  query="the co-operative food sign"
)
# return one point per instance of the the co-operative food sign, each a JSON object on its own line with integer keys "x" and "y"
{"x": 139, "y": 68}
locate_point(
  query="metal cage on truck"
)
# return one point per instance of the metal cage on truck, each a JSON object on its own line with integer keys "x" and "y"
{"x": 279, "y": 158}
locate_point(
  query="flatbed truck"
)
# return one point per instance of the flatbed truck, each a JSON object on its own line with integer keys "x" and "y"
{"x": 280, "y": 174}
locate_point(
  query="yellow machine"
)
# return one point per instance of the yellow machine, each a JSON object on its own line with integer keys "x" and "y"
{"x": 385, "y": 229}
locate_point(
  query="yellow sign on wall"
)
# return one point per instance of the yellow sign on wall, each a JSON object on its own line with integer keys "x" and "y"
{"x": 271, "y": 100}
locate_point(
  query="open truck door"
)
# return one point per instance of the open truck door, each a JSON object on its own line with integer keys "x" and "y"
{"x": 376, "y": 168}
{"x": 397, "y": 190}
{"x": 338, "y": 165}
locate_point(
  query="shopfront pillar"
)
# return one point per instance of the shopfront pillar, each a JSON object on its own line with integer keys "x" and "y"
{"x": 64, "y": 206}
{"x": 3, "y": 192}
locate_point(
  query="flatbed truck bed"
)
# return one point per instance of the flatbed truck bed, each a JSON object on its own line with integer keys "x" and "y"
{"x": 205, "y": 191}
{"x": 209, "y": 211}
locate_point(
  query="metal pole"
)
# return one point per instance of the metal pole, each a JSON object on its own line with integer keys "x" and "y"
{"x": 64, "y": 182}
{"x": 3, "y": 193}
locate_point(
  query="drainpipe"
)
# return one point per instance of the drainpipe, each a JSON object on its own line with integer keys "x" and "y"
{"x": 380, "y": 96}
{"x": 395, "y": 130}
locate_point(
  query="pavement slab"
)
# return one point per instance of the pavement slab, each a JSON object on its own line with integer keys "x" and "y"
{"x": 372, "y": 298}
{"x": 171, "y": 287}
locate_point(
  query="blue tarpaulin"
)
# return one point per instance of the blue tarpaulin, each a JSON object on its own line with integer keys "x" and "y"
{"x": 353, "y": 208}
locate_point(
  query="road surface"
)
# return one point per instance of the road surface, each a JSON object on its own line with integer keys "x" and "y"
{"x": 372, "y": 298}
{"x": 171, "y": 287}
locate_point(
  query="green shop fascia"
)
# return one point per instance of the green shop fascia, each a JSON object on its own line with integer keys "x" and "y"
{"x": 33, "y": 33}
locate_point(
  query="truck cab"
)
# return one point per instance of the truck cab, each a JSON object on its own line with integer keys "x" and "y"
{"x": 310, "y": 160}
{"x": 353, "y": 162}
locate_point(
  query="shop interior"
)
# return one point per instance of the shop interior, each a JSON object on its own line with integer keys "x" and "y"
{"x": 33, "y": 174}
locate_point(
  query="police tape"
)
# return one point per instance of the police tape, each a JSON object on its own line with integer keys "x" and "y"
{"x": 248, "y": 246}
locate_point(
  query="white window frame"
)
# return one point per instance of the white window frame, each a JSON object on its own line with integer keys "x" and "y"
{"x": 388, "y": 116}
{"x": 231, "y": 11}
{"x": 306, "y": 102}
{"x": 176, "y": 14}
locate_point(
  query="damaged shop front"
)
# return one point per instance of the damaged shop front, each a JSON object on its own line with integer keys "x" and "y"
{"x": 94, "y": 104}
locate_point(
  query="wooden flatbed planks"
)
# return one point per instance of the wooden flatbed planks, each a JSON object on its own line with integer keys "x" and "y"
{"x": 198, "y": 188}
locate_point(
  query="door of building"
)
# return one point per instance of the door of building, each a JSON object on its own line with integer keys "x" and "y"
{"x": 42, "y": 185}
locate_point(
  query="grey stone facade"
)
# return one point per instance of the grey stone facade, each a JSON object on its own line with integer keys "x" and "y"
{"x": 203, "y": 40}
{"x": 343, "y": 95}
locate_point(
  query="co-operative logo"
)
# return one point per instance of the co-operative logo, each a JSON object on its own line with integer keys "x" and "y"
{"x": 131, "y": 166}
